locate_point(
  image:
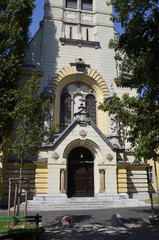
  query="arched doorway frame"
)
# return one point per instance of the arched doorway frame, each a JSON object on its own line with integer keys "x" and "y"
{"x": 94, "y": 149}
{"x": 80, "y": 177}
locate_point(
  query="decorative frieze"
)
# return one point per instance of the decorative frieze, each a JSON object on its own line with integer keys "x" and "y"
{"x": 86, "y": 18}
{"x": 71, "y": 16}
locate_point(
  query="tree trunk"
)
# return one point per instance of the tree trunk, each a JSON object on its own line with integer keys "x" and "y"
{"x": 20, "y": 187}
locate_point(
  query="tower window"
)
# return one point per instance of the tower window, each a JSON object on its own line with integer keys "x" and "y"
{"x": 65, "y": 113}
{"x": 82, "y": 4}
{"x": 71, "y": 97}
{"x": 86, "y": 5}
{"x": 70, "y": 32}
{"x": 87, "y": 34}
{"x": 91, "y": 107}
{"x": 71, "y": 4}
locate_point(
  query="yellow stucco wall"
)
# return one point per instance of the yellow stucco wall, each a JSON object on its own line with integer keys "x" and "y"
{"x": 151, "y": 162}
{"x": 37, "y": 173}
{"x": 122, "y": 179}
{"x": 132, "y": 178}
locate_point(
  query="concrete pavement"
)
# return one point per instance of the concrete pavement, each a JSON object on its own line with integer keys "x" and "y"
{"x": 95, "y": 224}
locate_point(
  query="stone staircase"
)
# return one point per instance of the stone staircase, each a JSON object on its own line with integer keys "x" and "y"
{"x": 55, "y": 204}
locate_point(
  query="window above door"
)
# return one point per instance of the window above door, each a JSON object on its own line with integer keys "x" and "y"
{"x": 71, "y": 97}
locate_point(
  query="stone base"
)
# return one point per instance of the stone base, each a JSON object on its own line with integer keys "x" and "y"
{"x": 140, "y": 196}
{"x": 123, "y": 196}
{"x": 104, "y": 196}
{"x": 50, "y": 197}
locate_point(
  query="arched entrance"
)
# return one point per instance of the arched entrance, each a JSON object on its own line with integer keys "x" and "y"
{"x": 80, "y": 173}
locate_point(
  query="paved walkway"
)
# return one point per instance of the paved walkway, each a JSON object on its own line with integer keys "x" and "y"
{"x": 95, "y": 224}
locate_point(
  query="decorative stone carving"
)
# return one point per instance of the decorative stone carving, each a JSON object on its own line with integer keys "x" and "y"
{"x": 109, "y": 157}
{"x": 71, "y": 16}
{"x": 83, "y": 133}
{"x": 55, "y": 156}
{"x": 86, "y": 18}
{"x": 113, "y": 124}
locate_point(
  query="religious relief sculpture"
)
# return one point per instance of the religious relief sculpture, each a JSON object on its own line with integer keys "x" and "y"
{"x": 83, "y": 133}
{"x": 113, "y": 125}
{"x": 55, "y": 156}
{"x": 109, "y": 157}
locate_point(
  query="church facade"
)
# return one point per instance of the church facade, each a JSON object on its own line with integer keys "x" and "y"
{"x": 89, "y": 157}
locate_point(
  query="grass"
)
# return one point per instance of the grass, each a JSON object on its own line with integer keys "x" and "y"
{"x": 17, "y": 226}
{"x": 155, "y": 200}
{"x": 3, "y": 225}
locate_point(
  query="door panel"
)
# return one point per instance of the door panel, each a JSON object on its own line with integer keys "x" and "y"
{"x": 80, "y": 180}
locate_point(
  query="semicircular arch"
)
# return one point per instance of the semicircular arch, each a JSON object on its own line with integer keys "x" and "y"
{"x": 67, "y": 75}
{"x": 92, "y": 78}
{"x": 89, "y": 144}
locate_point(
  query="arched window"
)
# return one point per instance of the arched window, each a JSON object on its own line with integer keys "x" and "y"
{"x": 65, "y": 111}
{"x": 91, "y": 107}
{"x": 71, "y": 97}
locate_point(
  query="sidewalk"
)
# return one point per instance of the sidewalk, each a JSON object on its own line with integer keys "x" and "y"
{"x": 131, "y": 231}
{"x": 95, "y": 224}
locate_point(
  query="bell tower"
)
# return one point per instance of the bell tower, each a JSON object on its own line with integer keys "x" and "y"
{"x": 77, "y": 29}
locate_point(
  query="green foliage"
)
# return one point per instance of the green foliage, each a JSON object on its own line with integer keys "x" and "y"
{"x": 30, "y": 113}
{"x": 137, "y": 55}
{"x": 141, "y": 124}
{"x": 15, "y": 18}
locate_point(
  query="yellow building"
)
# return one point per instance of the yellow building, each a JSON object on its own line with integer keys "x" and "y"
{"x": 77, "y": 69}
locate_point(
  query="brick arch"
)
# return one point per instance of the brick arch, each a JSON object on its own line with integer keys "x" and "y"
{"x": 92, "y": 146}
{"x": 90, "y": 77}
{"x": 67, "y": 75}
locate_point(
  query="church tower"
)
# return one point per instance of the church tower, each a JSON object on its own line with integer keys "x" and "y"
{"x": 71, "y": 46}
{"x": 77, "y": 69}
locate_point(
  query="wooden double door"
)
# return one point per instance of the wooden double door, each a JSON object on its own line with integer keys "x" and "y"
{"x": 80, "y": 175}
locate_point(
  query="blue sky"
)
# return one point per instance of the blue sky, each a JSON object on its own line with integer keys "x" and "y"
{"x": 38, "y": 16}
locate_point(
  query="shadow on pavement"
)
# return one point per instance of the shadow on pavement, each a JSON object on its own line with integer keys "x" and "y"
{"x": 134, "y": 229}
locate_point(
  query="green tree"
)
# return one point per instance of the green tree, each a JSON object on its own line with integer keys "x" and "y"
{"x": 137, "y": 55}
{"x": 29, "y": 115}
{"x": 15, "y": 18}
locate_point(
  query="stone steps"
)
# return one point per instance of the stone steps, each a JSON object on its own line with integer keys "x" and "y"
{"x": 79, "y": 204}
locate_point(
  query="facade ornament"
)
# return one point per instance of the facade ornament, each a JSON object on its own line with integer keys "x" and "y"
{"x": 109, "y": 157}
{"x": 87, "y": 18}
{"x": 71, "y": 16}
{"x": 83, "y": 133}
{"x": 114, "y": 125}
{"x": 55, "y": 156}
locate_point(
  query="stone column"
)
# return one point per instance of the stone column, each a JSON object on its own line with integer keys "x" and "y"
{"x": 62, "y": 181}
{"x": 102, "y": 180}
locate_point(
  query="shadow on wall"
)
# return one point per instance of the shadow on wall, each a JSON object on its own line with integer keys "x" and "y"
{"x": 41, "y": 55}
{"x": 13, "y": 172}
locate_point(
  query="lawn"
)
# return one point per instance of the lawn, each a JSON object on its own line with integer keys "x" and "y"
{"x": 155, "y": 200}
{"x": 17, "y": 226}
